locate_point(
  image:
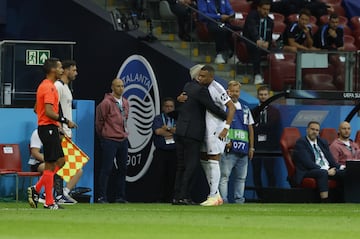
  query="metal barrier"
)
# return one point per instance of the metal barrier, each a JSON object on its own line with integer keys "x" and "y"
{"x": 21, "y": 68}
{"x": 327, "y": 71}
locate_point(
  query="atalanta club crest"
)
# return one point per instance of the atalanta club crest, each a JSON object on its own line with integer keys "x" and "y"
{"x": 141, "y": 90}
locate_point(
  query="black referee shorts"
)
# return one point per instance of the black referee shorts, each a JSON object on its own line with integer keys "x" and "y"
{"x": 49, "y": 135}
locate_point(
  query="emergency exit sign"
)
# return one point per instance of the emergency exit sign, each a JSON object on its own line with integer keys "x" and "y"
{"x": 37, "y": 57}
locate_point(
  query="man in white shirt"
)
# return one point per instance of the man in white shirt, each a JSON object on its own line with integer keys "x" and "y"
{"x": 65, "y": 109}
{"x": 65, "y": 95}
{"x": 215, "y": 134}
{"x": 37, "y": 164}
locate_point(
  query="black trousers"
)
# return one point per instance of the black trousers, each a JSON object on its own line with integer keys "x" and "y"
{"x": 257, "y": 170}
{"x": 183, "y": 15}
{"x": 188, "y": 159}
{"x": 223, "y": 40}
{"x": 165, "y": 163}
{"x": 255, "y": 54}
{"x": 321, "y": 176}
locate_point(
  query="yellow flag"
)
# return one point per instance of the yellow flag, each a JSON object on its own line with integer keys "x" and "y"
{"x": 75, "y": 159}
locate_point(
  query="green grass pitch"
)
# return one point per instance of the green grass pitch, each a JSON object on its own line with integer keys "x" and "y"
{"x": 251, "y": 221}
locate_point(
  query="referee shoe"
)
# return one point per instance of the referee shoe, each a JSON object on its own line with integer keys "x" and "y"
{"x": 33, "y": 197}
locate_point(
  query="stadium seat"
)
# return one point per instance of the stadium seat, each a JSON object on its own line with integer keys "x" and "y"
{"x": 277, "y": 17}
{"x": 339, "y": 10}
{"x": 287, "y": 143}
{"x": 357, "y": 137}
{"x": 241, "y": 52}
{"x": 279, "y": 27}
{"x": 10, "y": 162}
{"x": 165, "y": 11}
{"x": 202, "y": 32}
{"x": 330, "y": 134}
{"x": 358, "y": 43}
{"x": 239, "y": 23}
{"x": 350, "y": 47}
{"x": 349, "y": 39}
{"x": 355, "y": 22}
{"x": 318, "y": 82}
{"x": 281, "y": 71}
{"x": 347, "y": 30}
{"x": 295, "y": 17}
{"x": 241, "y": 6}
{"x": 325, "y": 19}
{"x": 314, "y": 28}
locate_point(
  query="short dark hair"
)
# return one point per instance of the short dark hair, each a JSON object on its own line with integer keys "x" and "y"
{"x": 262, "y": 88}
{"x": 313, "y": 122}
{"x": 264, "y": 2}
{"x": 50, "y": 64}
{"x": 305, "y": 12}
{"x": 208, "y": 68}
{"x": 333, "y": 16}
{"x": 66, "y": 64}
{"x": 166, "y": 99}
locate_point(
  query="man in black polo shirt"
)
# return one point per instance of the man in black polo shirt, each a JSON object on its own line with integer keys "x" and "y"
{"x": 298, "y": 36}
{"x": 331, "y": 35}
{"x": 165, "y": 153}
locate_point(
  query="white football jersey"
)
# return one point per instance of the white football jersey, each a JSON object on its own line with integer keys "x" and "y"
{"x": 65, "y": 98}
{"x": 214, "y": 124}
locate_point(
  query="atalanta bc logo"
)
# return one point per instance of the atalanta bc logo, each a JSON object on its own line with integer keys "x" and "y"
{"x": 141, "y": 90}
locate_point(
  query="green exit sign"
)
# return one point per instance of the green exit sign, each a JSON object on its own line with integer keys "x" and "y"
{"x": 37, "y": 57}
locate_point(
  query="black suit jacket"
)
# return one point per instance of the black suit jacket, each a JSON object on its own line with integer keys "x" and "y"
{"x": 191, "y": 118}
{"x": 252, "y": 26}
{"x": 304, "y": 157}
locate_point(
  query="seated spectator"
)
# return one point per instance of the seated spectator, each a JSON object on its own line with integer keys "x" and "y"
{"x": 331, "y": 35}
{"x": 183, "y": 14}
{"x": 298, "y": 36}
{"x": 220, "y": 11}
{"x": 258, "y": 28}
{"x": 37, "y": 164}
{"x": 165, "y": 153}
{"x": 343, "y": 148}
{"x": 313, "y": 159}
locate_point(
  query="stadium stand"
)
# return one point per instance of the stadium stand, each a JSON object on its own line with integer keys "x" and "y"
{"x": 281, "y": 71}
{"x": 10, "y": 163}
{"x": 330, "y": 134}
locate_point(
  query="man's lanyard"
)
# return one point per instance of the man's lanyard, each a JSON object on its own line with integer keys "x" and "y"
{"x": 172, "y": 122}
{"x": 121, "y": 107}
{"x": 260, "y": 29}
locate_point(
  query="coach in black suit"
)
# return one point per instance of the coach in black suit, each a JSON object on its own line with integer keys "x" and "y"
{"x": 313, "y": 159}
{"x": 190, "y": 132}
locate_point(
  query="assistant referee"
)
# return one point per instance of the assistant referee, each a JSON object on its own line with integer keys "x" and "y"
{"x": 47, "y": 110}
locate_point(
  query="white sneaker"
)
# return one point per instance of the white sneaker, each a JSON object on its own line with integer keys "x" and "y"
{"x": 233, "y": 60}
{"x": 219, "y": 59}
{"x": 258, "y": 79}
{"x": 213, "y": 201}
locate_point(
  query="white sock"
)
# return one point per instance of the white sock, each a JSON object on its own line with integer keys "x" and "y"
{"x": 66, "y": 191}
{"x": 214, "y": 169}
{"x": 205, "y": 165}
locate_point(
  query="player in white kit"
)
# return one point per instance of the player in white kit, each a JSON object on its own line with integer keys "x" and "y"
{"x": 215, "y": 135}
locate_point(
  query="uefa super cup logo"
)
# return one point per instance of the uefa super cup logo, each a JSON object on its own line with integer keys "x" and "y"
{"x": 142, "y": 92}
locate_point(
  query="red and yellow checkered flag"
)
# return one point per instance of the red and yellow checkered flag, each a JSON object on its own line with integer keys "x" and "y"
{"x": 75, "y": 159}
